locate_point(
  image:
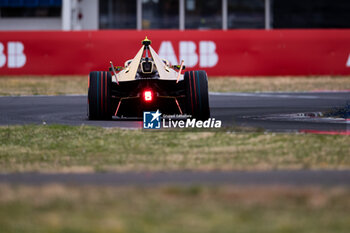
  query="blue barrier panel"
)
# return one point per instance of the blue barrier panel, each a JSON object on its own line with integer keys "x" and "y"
{"x": 30, "y": 3}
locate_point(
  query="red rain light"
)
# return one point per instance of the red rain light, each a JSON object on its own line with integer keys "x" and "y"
{"x": 147, "y": 96}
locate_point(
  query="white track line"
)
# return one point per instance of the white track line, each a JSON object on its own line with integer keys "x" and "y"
{"x": 74, "y": 95}
{"x": 257, "y": 94}
{"x": 265, "y": 95}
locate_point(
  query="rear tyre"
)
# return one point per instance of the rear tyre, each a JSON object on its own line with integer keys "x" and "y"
{"x": 197, "y": 97}
{"x": 99, "y": 95}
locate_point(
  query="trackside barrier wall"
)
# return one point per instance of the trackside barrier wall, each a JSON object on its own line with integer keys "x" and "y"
{"x": 220, "y": 53}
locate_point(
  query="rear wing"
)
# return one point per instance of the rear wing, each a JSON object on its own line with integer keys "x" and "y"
{"x": 165, "y": 72}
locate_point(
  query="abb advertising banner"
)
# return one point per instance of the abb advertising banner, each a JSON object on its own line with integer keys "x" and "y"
{"x": 220, "y": 53}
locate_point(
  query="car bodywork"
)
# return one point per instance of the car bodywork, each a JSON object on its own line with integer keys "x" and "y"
{"x": 147, "y": 83}
{"x": 133, "y": 81}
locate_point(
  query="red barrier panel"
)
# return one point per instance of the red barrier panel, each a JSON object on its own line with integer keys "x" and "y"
{"x": 233, "y": 52}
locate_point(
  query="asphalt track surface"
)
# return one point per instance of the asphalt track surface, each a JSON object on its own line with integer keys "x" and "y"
{"x": 263, "y": 178}
{"x": 269, "y": 111}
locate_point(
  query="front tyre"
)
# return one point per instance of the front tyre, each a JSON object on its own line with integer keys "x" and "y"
{"x": 99, "y": 95}
{"x": 197, "y": 95}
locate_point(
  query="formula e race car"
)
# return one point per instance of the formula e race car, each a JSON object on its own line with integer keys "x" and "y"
{"x": 147, "y": 83}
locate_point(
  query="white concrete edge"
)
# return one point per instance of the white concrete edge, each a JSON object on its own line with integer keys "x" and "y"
{"x": 262, "y": 94}
{"x": 78, "y": 95}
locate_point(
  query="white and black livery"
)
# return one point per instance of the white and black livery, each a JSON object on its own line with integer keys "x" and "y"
{"x": 147, "y": 83}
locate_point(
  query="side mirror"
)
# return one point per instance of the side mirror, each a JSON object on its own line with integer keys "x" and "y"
{"x": 116, "y": 68}
{"x": 177, "y": 67}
